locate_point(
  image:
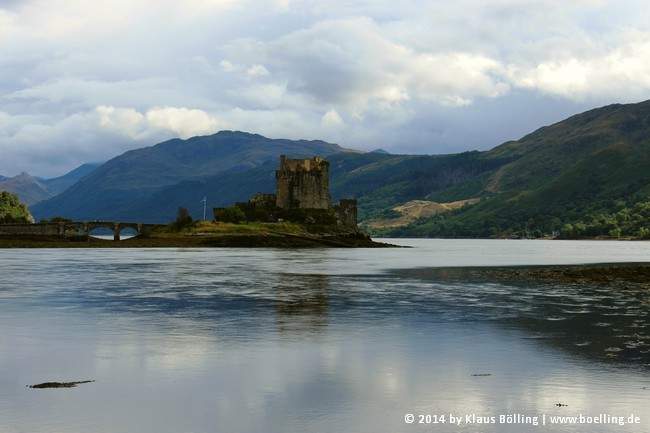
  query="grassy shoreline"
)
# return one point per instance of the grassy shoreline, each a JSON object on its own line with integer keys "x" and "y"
{"x": 205, "y": 234}
{"x": 259, "y": 240}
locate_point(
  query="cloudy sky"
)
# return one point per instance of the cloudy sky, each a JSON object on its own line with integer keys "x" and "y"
{"x": 86, "y": 80}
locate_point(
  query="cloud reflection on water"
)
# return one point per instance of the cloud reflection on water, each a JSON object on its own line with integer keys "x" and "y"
{"x": 234, "y": 340}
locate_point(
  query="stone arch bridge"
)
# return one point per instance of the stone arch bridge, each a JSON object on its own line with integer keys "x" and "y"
{"x": 70, "y": 228}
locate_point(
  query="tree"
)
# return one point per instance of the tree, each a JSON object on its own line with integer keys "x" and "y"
{"x": 183, "y": 219}
{"x": 56, "y": 219}
{"x": 12, "y": 210}
{"x": 232, "y": 214}
{"x": 615, "y": 233}
{"x": 566, "y": 231}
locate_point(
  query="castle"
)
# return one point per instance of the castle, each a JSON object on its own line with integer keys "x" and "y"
{"x": 301, "y": 188}
{"x": 302, "y": 183}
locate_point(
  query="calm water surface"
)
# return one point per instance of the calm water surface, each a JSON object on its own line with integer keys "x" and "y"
{"x": 264, "y": 340}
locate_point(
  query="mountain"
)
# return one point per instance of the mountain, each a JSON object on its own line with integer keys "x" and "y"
{"x": 32, "y": 190}
{"x": 151, "y": 183}
{"x": 26, "y": 187}
{"x": 588, "y": 175}
{"x": 59, "y": 184}
{"x": 385, "y": 181}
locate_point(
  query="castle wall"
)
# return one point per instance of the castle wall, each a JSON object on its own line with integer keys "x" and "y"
{"x": 302, "y": 183}
{"x": 347, "y": 212}
{"x": 263, "y": 200}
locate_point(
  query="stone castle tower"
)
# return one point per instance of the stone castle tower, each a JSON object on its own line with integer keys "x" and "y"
{"x": 302, "y": 183}
{"x": 299, "y": 184}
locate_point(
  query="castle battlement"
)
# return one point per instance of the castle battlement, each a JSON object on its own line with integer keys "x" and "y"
{"x": 292, "y": 165}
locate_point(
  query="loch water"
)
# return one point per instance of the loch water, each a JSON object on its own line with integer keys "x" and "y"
{"x": 321, "y": 340}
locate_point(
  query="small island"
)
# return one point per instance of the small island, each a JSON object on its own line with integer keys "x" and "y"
{"x": 205, "y": 234}
{"x": 299, "y": 215}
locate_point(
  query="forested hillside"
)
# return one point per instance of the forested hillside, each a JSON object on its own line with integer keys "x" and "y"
{"x": 586, "y": 176}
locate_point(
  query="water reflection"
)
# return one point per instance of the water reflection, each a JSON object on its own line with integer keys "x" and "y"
{"x": 301, "y": 303}
{"x": 598, "y": 321}
{"x": 284, "y": 341}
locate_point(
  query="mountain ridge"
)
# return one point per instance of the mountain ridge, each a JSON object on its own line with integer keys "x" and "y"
{"x": 581, "y": 170}
{"x": 32, "y": 190}
{"x": 25, "y": 186}
{"x": 59, "y": 184}
{"x": 586, "y": 167}
{"x": 119, "y": 184}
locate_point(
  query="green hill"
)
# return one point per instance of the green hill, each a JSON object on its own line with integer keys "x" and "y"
{"x": 590, "y": 171}
{"x": 381, "y": 182}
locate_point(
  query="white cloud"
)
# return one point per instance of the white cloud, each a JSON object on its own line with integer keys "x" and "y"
{"x": 180, "y": 121}
{"x": 184, "y": 122}
{"x": 72, "y": 21}
{"x": 227, "y": 66}
{"x": 622, "y": 73}
{"x": 126, "y": 121}
{"x": 44, "y": 143}
{"x": 50, "y": 147}
{"x": 108, "y": 75}
{"x": 276, "y": 123}
{"x": 263, "y": 96}
{"x": 70, "y": 95}
{"x": 351, "y": 63}
{"x": 257, "y": 71}
{"x": 332, "y": 120}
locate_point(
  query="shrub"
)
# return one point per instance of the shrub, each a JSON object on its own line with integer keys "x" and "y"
{"x": 12, "y": 210}
{"x": 232, "y": 214}
{"x": 183, "y": 220}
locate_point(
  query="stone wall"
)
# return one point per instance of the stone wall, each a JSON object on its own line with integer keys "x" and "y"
{"x": 346, "y": 212}
{"x": 50, "y": 229}
{"x": 302, "y": 183}
{"x": 264, "y": 200}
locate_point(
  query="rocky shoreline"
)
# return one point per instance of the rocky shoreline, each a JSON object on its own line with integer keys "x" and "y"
{"x": 263, "y": 240}
{"x": 612, "y": 275}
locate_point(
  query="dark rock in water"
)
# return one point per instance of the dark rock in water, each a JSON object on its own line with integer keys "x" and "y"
{"x": 59, "y": 384}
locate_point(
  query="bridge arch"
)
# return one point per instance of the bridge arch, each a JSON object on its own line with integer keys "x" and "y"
{"x": 76, "y": 228}
{"x": 85, "y": 227}
{"x": 115, "y": 227}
